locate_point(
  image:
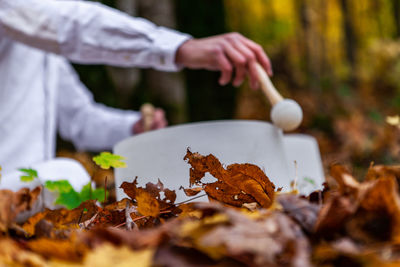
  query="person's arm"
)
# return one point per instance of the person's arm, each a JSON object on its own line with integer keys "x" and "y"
{"x": 87, "y": 124}
{"x": 88, "y": 32}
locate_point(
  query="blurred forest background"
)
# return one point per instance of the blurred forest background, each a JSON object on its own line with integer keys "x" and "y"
{"x": 340, "y": 59}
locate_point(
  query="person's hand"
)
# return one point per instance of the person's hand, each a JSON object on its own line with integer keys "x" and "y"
{"x": 157, "y": 121}
{"x": 226, "y": 53}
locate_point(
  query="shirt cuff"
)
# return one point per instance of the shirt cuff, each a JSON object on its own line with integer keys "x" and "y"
{"x": 129, "y": 121}
{"x": 166, "y": 44}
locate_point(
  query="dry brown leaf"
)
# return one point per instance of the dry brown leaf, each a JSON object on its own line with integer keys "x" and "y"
{"x": 346, "y": 182}
{"x": 147, "y": 205}
{"x": 369, "y": 212}
{"x": 301, "y": 210}
{"x": 66, "y": 250}
{"x": 191, "y": 192}
{"x": 334, "y": 214}
{"x": 13, "y": 203}
{"x": 130, "y": 188}
{"x": 244, "y": 177}
{"x": 227, "y": 194}
{"x": 29, "y": 225}
{"x": 119, "y": 205}
{"x": 271, "y": 240}
{"x": 381, "y": 171}
{"x": 345, "y": 252}
{"x": 62, "y": 217}
{"x": 378, "y": 217}
{"x": 149, "y": 199}
{"x": 11, "y": 254}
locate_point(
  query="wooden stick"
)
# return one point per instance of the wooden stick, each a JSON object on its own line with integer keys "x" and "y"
{"x": 267, "y": 87}
{"x": 147, "y": 111}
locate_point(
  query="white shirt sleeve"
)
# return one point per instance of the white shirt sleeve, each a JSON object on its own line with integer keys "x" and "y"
{"x": 91, "y": 33}
{"x": 89, "y": 125}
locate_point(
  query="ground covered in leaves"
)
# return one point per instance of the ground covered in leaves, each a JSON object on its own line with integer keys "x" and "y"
{"x": 247, "y": 223}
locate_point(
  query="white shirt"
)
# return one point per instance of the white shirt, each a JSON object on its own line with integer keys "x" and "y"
{"x": 39, "y": 91}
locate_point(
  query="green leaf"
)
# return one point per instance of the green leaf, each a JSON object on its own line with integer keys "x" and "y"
{"x": 71, "y": 199}
{"x": 85, "y": 192}
{"x": 106, "y": 160}
{"x": 61, "y": 186}
{"x": 29, "y": 175}
{"x": 97, "y": 193}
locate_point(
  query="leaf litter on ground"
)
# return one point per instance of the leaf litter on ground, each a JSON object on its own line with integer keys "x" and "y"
{"x": 247, "y": 223}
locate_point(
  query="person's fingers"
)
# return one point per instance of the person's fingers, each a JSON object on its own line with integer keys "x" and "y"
{"x": 138, "y": 127}
{"x": 251, "y": 59}
{"x": 225, "y": 67}
{"x": 259, "y": 52}
{"x": 238, "y": 60}
{"x": 159, "y": 120}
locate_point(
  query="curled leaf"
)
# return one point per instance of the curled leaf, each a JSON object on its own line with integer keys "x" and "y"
{"x": 247, "y": 179}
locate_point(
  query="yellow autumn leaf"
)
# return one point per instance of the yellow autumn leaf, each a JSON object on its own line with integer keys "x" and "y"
{"x": 147, "y": 204}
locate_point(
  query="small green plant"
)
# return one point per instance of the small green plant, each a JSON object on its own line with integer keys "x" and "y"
{"x": 107, "y": 160}
{"x": 67, "y": 195}
{"x": 28, "y": 175}
{"x": 70, "y": 198}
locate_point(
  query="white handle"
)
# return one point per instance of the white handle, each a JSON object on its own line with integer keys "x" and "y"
{"x": 267, "y": 87}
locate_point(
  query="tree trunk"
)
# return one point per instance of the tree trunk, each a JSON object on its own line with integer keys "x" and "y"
{"x": 311, "y": 43}
{"x": 350, "y": 39}
{"x": 396, "y": 14}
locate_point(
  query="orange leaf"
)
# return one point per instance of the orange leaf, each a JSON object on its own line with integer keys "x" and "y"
{"x": 13, "y": 203}
{"x": 147, "y": 204}
{"x": 245, "y": 178}
{"x": 190, "y": 192}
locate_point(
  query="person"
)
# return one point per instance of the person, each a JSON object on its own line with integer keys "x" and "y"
{"x": 40, "y": 93}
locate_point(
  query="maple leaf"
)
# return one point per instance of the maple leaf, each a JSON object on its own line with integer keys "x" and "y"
{"x": 238, "y": 180}
{"x": 227, "y": 194}
{"x": 71, "y": 199}
{"x": 147, "y": 205}
{"x": 61, "y": 186}
{"x": 106, "y": 160}
{"x": 149, "y": 199}
{"x": 29, "y": 174}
